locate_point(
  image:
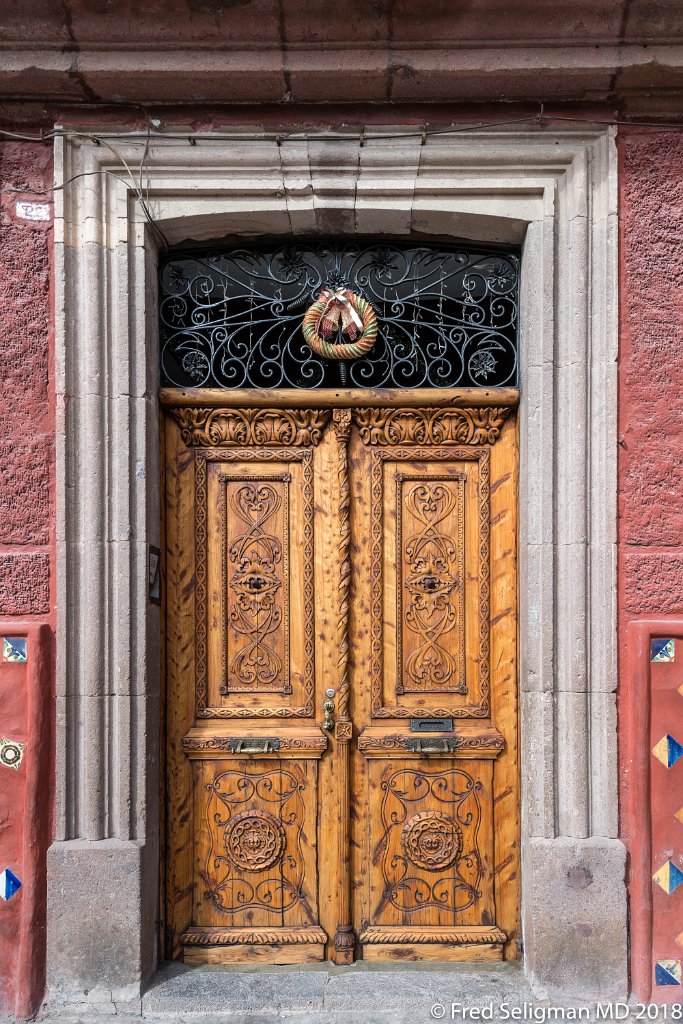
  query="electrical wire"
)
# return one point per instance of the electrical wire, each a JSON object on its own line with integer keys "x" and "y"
{"x": 156, "y": 133}
{"x": 159, "y": 133}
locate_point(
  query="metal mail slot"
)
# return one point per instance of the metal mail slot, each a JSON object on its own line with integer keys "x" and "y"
{"x": 432, "y": 745}
{"x": 253, "y": 744}
{"x": 431, "y": 725}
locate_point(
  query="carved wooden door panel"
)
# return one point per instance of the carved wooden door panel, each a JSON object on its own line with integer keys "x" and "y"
{"x": 435, "y": 683}
{"x": 243, "y": 737}
{"x": 335, "y": 579}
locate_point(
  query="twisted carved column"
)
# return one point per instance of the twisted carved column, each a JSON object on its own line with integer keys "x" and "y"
{"x": 344, "y": 938}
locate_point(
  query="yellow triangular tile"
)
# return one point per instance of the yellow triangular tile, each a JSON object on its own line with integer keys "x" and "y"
{"x": 661, "y": 877}
{"x": 679, "y": 817}
{"x": 661, "y": 751}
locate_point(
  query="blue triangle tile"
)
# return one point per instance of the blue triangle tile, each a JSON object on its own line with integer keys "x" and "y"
{"x": 9, "y": 884}
{"x": 675, "y": 751}
{"x": 668, "y": 972}
{"x": 675, "y": 877}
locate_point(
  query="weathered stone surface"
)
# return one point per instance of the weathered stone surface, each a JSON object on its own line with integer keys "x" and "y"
{"x": 576, "y": 931}
{"x": 98, "y": 919}
{"x": 346, "y": 52}
{"x": 184, "y": 989}
{"x": 412, "y": 986}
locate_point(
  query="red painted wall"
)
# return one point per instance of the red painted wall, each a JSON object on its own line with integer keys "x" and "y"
{"x": 651, "y": 534}
{"x": 26, "y": 564}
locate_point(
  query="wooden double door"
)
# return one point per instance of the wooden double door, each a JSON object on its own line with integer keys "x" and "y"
{"x": 341, "y": 685}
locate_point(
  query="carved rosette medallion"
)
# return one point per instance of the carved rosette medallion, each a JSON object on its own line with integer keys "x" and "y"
{"x": 431, "y": 840}
{"x": 254, "y": 840}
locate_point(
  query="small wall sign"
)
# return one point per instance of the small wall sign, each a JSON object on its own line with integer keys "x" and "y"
{"x": 33, "y": 211}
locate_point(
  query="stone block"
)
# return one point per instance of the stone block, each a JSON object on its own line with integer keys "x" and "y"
{"x": 417, "y": 987}
{"x": 100, "y": 923}
{"x": 180, "y": 989}
{"x": 575, "y": 928}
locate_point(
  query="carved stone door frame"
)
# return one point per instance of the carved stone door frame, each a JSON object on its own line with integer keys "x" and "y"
{"x": 553, "y": 192}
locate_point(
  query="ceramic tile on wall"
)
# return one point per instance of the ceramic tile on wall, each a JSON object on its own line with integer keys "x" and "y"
{"x": 662, "y": 650}
{"x": 669, "y": 877}
{"x": 14, "y": 649}
{"x": 9, "y": 884}
{"x": 667, "y": 751}
{"x": 667, "y": 972}
{"x": 11, "y": 753}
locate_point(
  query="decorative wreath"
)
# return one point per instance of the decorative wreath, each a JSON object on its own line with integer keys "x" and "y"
{"x": 321, "y": 322}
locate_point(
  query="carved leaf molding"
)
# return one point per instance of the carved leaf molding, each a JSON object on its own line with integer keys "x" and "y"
{"x": 376, "y": 934}
{"x": 430, "y": 426}
{"x": 232, "y": 427}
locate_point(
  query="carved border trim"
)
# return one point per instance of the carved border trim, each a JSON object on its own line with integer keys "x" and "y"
{"x": 376, "y": 934}
{"x": 344, "y": 936}
{"x": 342, "y": 429}
{"x": 251, "y": 936}
{"x": 430, "y": 426}
{"x": 379, "y": 457}
{"x": 260, "y": 427}
{"x": 202, "y": 457}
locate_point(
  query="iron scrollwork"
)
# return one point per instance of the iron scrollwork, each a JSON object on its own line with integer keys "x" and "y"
{"x": 419, "y": 835}
{"x": 447, "y": 316}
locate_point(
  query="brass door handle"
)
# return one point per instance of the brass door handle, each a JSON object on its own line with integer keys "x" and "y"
{"x": 253, "y": 744}
{"x": 432, "y": 745}
{"x": 328, "y": 710}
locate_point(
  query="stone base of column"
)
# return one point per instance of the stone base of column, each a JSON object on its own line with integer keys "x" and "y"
{"x": 575, "y": 917}
{"x": 101, "y": 919}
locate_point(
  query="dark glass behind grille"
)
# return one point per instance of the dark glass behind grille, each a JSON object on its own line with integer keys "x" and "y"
{"x": 447, "y": 316}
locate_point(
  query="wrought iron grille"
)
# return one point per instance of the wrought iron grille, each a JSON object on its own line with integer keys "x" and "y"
{"x": 447, "y": 316}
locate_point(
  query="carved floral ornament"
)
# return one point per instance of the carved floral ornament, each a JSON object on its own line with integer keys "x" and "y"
{"x": 226, "y": 428}
{"x": 430, "y": 426}
{"x": 218, "y": 428}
